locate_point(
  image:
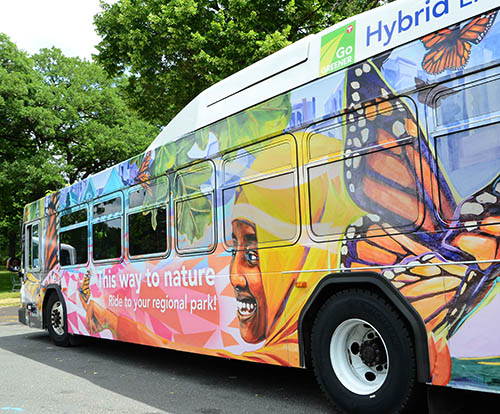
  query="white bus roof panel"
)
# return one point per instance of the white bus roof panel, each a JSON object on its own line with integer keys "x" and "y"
{"x": 350, "y": 41}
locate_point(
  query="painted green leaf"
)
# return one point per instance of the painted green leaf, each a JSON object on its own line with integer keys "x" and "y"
{"x": 195, "y": 211}
{"x": 194, "y": 217}
{"x": 266, "y": 119}
{"x": 164, "y": 160}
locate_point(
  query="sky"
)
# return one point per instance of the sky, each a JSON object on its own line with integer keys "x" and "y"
{"x": 65, "y": 24}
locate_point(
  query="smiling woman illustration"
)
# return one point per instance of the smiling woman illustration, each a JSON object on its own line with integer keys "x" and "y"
{"x": 264, "y": 216}
{"x": 246, "y": 279}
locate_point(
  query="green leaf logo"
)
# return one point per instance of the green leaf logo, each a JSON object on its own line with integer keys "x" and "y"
{"x": 337, "y": 49}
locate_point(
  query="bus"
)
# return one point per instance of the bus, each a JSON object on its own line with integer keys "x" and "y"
{"x": 334, "y": 206}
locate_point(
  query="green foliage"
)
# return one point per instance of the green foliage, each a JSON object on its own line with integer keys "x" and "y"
{"x": 194, "y": 212}
{"x": 174, "y": 49}
{"x": 194, "y": 217}
{"x": 267, "y": 118}
{"x": 61, "y": 119}
{"x": 91, "y": 127}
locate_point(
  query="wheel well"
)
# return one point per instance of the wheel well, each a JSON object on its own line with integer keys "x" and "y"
{"x": 333, "y": 284}
{"x": 51, "y": 290}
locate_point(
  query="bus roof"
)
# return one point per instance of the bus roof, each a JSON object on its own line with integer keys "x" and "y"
{"x": 350, "y": 41}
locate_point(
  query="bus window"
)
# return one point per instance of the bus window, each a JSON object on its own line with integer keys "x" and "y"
{"x": 32, "y": 248}
{"x": 469, "y": 158}
{"x": 243, "y": 165}
{"x": 374, "y": 156}
{"x": 107, "y": 229}
{"x": 73, "y": 237}
{"x": 35, "y": 247}
{"x": 194, "y": 208}
{"x": 147, "y": 218}
{"x": 260, "y": 190}
{"x": 466, "y": 139}
{"x": 470, "y": 103}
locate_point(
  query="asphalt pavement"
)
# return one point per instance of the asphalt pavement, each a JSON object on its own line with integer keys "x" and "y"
{"x": 8, "y": 314}
{"x": 102, "y": 376}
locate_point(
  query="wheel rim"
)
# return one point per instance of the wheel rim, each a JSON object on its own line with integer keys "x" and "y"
{"x": 56, "y": 318}
{"x": 359, "y": 356}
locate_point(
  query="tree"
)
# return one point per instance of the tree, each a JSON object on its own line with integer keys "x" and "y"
{"x": 61, "y": 119}
{"x": 18, "y": 83}
{"x": 90, "y": 127}
{"x": 174, "y": 49}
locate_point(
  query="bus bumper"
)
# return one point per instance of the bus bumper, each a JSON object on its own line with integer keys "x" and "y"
{"x": 29, "y": 315}
{"x": 22, "y": 316}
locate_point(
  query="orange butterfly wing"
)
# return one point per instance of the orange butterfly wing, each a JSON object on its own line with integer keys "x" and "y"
{"x": 389, "y": 182}
{"x": 443, "y": 291}
{"x": 437, "y": 38}
{"x": 450, "y": 48}
{"x": 418, "y": 273}
{"x": 144, "y": 174}
{"x": 476, "y": 29}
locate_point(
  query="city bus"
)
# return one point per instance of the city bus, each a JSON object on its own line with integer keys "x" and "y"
{"x": 329, "y": 207}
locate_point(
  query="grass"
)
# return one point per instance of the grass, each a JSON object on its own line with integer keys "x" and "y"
{"x": 7, "y": 298}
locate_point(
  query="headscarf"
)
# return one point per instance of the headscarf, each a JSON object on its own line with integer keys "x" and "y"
{"x": 271, "y": 205}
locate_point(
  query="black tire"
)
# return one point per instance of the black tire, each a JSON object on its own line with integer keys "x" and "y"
{"x": 376, "y": 370}
{"x": 56, "y": 321}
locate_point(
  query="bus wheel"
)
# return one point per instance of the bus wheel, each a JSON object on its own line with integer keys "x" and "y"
{"x": 363, "y": 355}
{"x": 56, "y": 321}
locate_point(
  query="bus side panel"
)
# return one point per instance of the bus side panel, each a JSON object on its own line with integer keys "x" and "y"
{"x": 432, "y": 209}
{"x": 246, "y": 251}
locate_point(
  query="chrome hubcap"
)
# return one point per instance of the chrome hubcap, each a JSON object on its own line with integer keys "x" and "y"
{"x": 359, "y": 356}
{"x": 56, "y": 318}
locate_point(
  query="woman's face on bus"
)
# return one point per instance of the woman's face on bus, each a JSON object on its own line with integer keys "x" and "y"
{"x": 247, "y": 282}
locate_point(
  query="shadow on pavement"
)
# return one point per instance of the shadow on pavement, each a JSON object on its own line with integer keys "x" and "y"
{"x": 163, "y": 378}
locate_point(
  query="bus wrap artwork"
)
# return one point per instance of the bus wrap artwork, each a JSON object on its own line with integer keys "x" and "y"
{"x": 214, "y": 243}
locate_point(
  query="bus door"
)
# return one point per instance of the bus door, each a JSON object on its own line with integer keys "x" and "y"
{"x": 32, "y": 265}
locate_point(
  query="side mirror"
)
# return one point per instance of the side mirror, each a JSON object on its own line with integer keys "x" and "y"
{"x": 13, "y": 264}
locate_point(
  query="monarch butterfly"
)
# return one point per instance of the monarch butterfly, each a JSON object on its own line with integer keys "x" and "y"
{"x": 395, "y": 182}
{"x": 144, "y": 174}
{"x": 442, "y": 291}
{"x": 384, "y": 165}
{"x": 84, "y": 289}
{"x": 450, "y": 48}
